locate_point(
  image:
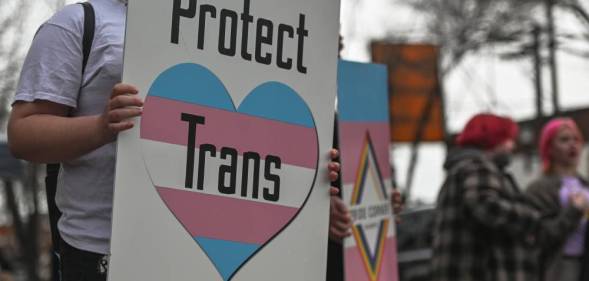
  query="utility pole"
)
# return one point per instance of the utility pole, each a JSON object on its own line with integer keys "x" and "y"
{"x": 538, "y": 73}
{"x": 528, "y": 135}
{"x": 552, "y": 54}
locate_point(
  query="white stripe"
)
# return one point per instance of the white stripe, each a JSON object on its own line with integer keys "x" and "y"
{"x": 167, "y": 168}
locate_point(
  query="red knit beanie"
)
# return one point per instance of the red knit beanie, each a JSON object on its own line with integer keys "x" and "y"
{"x": 486, "y": 131}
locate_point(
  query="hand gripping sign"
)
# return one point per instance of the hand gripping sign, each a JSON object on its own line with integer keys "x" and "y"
{"x": 222, "y": 179}
{"x": 370, "y": 253}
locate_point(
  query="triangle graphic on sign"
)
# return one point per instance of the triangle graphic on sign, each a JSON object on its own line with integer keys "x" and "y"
{"x": 368, "y": 167}
{"x": 227, "y": 256}
{"x": 369, "y": 185}
{"x": 372, "y": 258}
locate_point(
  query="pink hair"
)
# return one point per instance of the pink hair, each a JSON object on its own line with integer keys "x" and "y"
{"x": 549, "y": 132}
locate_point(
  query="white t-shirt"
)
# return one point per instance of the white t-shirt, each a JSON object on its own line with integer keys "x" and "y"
{"x": 53, "y": 71}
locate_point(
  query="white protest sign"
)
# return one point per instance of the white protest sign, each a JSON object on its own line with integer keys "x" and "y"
{"x": 224, "y": 177}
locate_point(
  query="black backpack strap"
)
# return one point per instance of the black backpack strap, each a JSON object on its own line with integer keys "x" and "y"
{"x": 89, "y": 22}
{"x": 54, "y": 212}
{"x": 53, "y": 168}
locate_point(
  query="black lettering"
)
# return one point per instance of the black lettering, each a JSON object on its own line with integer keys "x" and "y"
{"x": 245, "y": 174}
{"x": 204, "y": 148}
{"x": 178, "y": 12}
{"x": 302, "y": 33}
{"x": 246, "y": 19}
{"x": 193, "y": 121}
{"x": 263, "y": 50}
{"x": 262, "y": 38}
{"x": 282, "y": 29}
{"x": 275, "y": 194}
{"x": 204, "y": 9}
{"x": 228, "y": 14}
{"x": 358, "y": 214}
{"x": 230, "y": 169}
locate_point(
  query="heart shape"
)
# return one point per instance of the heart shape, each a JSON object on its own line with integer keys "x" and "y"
{"x": 233, "y": 178}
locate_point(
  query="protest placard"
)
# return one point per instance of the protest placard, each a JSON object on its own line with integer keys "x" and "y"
{"x": 225, "y": 176}
{"x": 363, "y": 126}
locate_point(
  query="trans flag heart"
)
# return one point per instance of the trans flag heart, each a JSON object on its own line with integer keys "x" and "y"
{"x": 234, "y": 178}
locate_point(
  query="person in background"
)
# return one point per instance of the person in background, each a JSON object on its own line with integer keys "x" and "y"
{"x": 484, "y": 228}
{"x": 563, "y": 255}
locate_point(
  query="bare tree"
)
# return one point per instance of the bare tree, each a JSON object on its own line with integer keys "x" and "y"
{"x": 54, "y": 5}
{"x": 461, "y": 27}
{"x": 12, "y": 44}
{"x": 578, "y": 8}
{"x": 569, "y": 42}
{"x": 12, "y": 28}
{"x": 22, "y": 205}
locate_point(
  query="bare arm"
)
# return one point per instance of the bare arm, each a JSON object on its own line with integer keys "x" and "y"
{"x": 40, "y": 131}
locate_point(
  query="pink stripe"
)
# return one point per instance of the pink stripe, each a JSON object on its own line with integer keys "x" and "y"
{"x": 226, "y": 218}
{"x": 295, "y": 145}
{"x": 351, "y": 140}
{"x": 354, "y": 265}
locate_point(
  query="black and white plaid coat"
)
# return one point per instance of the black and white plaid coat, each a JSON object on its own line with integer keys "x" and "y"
{"x": 484, "y": 227}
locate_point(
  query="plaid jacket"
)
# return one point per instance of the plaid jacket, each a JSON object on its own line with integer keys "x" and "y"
{"x": 483, "y": 225}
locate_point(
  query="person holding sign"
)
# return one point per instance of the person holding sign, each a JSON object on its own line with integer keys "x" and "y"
{"x": 484, "y": 227}
{"x": 66, "y": 113}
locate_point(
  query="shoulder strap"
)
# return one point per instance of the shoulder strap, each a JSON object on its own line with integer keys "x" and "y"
{"x": 87, "y": 38}
{"x": 54, "y": 212}
{"x": 53, "y": 168}
{"x": 89, "y": 25}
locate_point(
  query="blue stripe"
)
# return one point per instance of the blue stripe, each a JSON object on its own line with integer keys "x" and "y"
{"x": 276, "y": 101}
{"x": 195, "y": 84}
{"x": 192, "y": 83}
{"x": 227, "y": 256}
{"x": 362, "y": 92}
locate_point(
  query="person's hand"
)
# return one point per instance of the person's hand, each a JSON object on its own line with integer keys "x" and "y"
{"x": 340, "y": 220}
{"x": 333, "y": 170}
{"x": 123, "y": 105}
{"x": 397, "y": 204}
{"x": 579, "y": 201}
